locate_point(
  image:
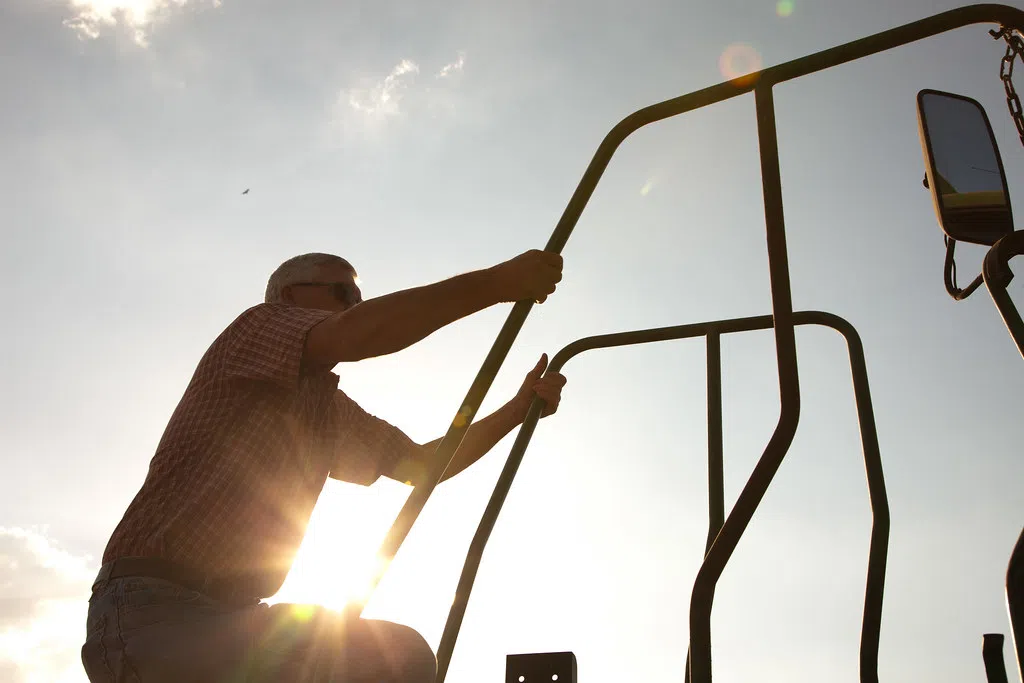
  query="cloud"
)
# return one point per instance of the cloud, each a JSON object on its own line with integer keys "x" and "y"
{"x": 43, "y": 600}
{"x": 90, "y": 17}
{"x": 383, "y": 98}
{"x": 455, "y": 66}
{"x": 366, "y": 108}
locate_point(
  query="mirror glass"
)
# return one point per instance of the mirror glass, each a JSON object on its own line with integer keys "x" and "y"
{"x": 964, "y": 171}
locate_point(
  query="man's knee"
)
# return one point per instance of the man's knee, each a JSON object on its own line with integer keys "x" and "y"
{"x": 410, "y": 656}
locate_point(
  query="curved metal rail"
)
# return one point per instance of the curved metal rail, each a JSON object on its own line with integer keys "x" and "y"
{"x": 703, "y": 595}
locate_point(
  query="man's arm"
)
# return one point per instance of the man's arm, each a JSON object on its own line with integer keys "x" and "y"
{"x": 480, "y": 438}
{"x": 393, "y": 322}
{"x": 484, "y": 434}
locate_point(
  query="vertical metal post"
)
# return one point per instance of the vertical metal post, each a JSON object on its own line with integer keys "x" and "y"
{"x": 878, "y": 548}
{"x": 716, "y": 475}
{"x": 789, "y": 398}
{"x": 778, "y": 262}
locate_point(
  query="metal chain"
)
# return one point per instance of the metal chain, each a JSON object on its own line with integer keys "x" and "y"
{"x": 1014, "y": 47}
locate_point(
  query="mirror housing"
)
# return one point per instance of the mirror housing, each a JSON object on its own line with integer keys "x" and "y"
{"x": 963, "y": 168}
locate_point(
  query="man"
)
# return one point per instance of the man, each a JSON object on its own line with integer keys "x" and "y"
{"x": 234, "y": 479}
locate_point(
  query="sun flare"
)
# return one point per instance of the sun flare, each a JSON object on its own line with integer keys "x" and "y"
{"x": 337, "y": 561}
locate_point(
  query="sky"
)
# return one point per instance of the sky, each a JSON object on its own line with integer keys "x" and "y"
{"x": 420, "y": 139}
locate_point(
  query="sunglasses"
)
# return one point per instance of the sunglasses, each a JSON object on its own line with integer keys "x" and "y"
{"x": 345, "y": 292}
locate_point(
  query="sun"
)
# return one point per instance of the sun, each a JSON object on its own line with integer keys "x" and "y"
{"x": 337, "y": 561}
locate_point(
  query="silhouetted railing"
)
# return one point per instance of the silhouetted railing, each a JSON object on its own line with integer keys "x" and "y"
{"x": 761, "y": 84}
{"x": 760, "y": 479}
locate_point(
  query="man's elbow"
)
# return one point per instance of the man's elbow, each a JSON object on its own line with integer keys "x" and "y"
{"x": 412, "y": 469}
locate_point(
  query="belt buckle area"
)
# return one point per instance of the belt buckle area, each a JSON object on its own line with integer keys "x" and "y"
{"x": 204, "y": 583}
{"x": 213, "y": 587}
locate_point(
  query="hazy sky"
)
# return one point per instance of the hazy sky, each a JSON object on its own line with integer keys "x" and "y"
{"x": 420, "y": 139}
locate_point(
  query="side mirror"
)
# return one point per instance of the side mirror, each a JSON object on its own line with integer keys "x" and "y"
{"x": 963, "y": 168}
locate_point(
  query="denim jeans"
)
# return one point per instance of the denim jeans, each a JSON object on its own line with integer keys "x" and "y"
{"x": 144, "y": 630}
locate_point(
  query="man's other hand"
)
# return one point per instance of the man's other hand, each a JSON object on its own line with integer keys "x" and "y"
{"x": 537, "y": 384}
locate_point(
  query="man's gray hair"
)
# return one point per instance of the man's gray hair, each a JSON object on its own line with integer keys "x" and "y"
{"x": 299, "y": 269}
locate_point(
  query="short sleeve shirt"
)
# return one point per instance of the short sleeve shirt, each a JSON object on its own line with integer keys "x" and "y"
{"x": 246, "y": 453}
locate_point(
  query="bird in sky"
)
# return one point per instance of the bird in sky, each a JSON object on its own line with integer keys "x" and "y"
{"x": 246, "y": 191}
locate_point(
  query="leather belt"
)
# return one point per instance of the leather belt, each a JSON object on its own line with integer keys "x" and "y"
{"x": 220, "y": 589}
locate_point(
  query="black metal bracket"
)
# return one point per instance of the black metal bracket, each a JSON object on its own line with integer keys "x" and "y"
{"x": 949, "y": 275}
{"x": 992, "y": 654}
{"x": 544, "y": 667}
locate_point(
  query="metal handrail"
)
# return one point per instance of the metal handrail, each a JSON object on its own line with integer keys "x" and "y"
{"x": 878, "y": 548}
{"x": 761, "y": 84}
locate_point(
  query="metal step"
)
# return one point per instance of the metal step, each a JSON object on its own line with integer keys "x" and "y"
{"x": 542, "y": 667}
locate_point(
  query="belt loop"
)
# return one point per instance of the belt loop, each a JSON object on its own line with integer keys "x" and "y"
{"x": 101, "y": 576}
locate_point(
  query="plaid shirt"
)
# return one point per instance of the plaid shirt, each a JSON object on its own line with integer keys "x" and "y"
{"x": 246, "y": 453}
